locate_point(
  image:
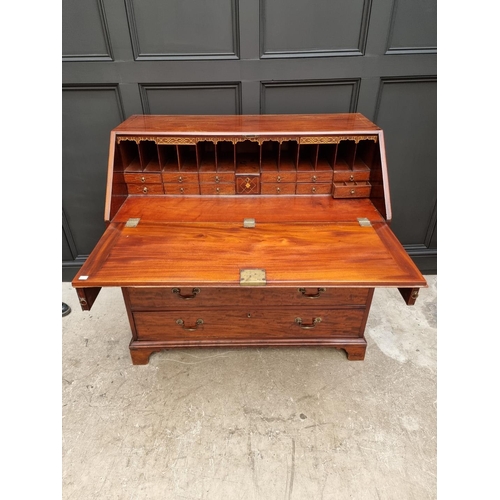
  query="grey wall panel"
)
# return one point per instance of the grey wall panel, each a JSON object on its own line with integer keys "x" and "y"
{"x": 66, "y": 250}
{"x": 406, "y": 112}
{"x": 216, "y": 99}
{"x": 309, "y": 97}
{"x": 313, "y": 28}
{"x": 413, "y": 27}
{"x": 184, "y": 29}
{"x": 85, "y": 35}
{"x": 88, "y": 115}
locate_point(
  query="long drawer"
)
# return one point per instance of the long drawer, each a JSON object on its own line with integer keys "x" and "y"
{"x": 156, "y": 298}
{"x": 248, "y": 323}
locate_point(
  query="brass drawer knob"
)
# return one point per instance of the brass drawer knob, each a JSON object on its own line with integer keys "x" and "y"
{"x": 313, "y": 190}
{"x": 180, "y": 178}
{"x": 314, "y": 178}
{"x": 278, "y": 179}
{"x": 143, "y": 179}
{"x": 278, "y": 190}
{"x": 217, "y": 180}
{"x": 353, "y": 191}
{"x": 217, "y": 190}
{"x": 351, "y": 178}
{"x": 181, "y": 190}
{"x": 144, "y": 189}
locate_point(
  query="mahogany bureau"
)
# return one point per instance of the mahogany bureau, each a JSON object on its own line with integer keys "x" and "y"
{"x": 259, "y": 230}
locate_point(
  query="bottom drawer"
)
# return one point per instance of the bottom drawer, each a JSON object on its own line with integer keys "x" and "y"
{"x": 248, "y": 324}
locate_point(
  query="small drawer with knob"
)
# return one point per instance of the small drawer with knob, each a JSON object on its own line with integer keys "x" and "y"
{"x": 313, "y": 188}
{"x": 180, "y": 177}
{"x": 216, "y": 177}
{"x": 145, "y": 189}
{"x": 143, "y": 178}
{"x": 213, "y": 188}
{"x": 181, "y": 189}
{"x": 277, "y": 188}
{"x": 315, "y": 176}
{"x": 280, "y": 177}
{"x": 354, "y": 189}
{"x": 351, "y": 175}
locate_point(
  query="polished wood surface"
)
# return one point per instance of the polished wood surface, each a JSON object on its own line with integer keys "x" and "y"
{"x": 246, "y": 124}
{"x": 211, "y": 254}
{"x": 236, "y": 208}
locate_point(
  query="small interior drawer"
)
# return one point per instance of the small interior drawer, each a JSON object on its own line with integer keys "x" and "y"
{"x": 285, "y": 176}
{"x": 216, "y": 188}
{"x": 315, "y": 176}
{"x": 277, "y": 188}
{"x": 314, "y": 188}
{"x": 355, "y": 189}
{"x": 145, "y": 188}
{"x": 171, "y": 188}
{"x": 180, "y": 177}
{"x": 351, "y": 175}
{"x": 216, "y": 177}
{"x": 142, "y": 178}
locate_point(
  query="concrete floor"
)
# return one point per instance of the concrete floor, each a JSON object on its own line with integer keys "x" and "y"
{"x": 250, "y": 424}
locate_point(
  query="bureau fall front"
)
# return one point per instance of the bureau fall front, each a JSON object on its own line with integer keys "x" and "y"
{"x": 257, "y": 230}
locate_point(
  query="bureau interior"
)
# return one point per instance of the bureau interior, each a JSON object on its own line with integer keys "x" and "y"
{"x": 346, "y": 156}
{"x": 341, "y": 168}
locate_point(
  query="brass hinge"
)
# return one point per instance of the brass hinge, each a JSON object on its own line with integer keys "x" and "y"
{"x": 248, "y": 222}
{"x": 132, "y": 222}
{"x": 364, "y": 222}
{"x": 252, "y": 277}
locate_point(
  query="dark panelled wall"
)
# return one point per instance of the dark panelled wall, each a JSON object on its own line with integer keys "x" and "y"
{"x": 124, "y": 57}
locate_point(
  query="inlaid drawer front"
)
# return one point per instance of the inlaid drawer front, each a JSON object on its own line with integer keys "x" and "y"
{"x": 351, "y": 175}
{"x": 143, "y": 178}
{"x": 244, "y": 323}
{"x": 216, "y": 177}
{"x": 312, "y": 188}
{"x": 156, "y": 298}
{"x": 247, "y": 184}
{"x": 180, "y": 177}
{"x": 213, "y": 188}
{"x": 351, "y": 189}
{"x": 278, "y": 176}
{"x": 181, "y": 189}
{"x": 316, "y": 176}
{"x": 145, "y": 188}
{"x": 277, "y": 188}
